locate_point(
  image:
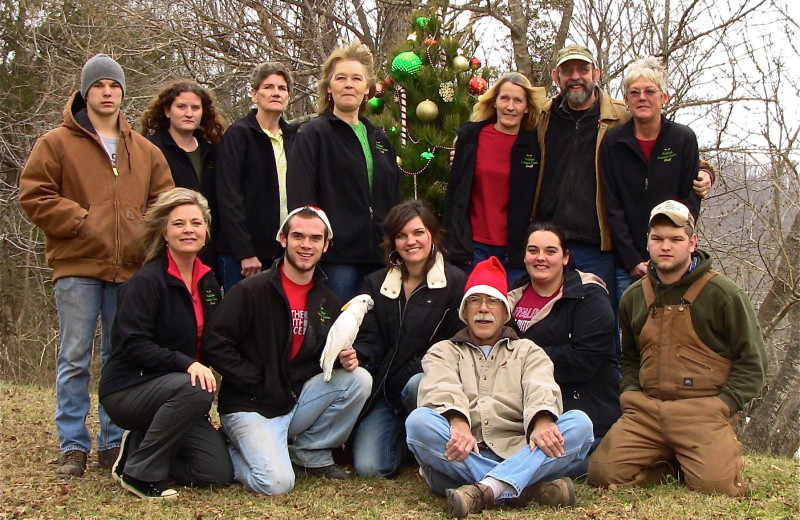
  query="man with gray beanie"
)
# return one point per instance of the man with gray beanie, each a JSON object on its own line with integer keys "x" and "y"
{"x": 87, "y": 184}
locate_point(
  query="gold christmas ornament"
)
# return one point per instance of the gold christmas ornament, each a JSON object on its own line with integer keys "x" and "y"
{"x": 461, "y": 63}
{"x": 427, "y": 111}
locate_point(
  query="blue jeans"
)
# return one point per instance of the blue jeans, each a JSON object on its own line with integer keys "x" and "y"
{"x": 429, "y": 432}
{"x": 321, "y": 420}
{"x": 345, "y": 279}
{"x": 623, "y": 281}
{"x": 590, "y": 259}
{"x": 230, "y": 269}
{"x": 481, "y": 252}
{"x": 79, "y": 302}
{"x": 379, "y": 438}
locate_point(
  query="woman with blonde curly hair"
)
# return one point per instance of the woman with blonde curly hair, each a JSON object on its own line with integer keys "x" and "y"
{"x": 154, "y": 383}
{"x": 493, "y": 177}
{"x": 347, "y": 166}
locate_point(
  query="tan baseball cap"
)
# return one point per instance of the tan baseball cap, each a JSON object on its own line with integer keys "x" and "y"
{"x": 575, "y": 52}
{"x": 677, "y": 212}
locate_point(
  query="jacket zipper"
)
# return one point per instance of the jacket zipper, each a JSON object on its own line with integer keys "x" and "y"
{"x": 396, "y": 343}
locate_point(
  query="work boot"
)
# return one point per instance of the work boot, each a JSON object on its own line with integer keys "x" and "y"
{"x": 332, "y": 471}
{"x": 471, "y": 498}
{"x": 106, "y": 458}
{"x": 73, "y": 464}
{"x": 559, "y": 492}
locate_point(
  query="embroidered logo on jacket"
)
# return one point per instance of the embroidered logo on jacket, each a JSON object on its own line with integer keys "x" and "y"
{"x": 323, "y": 315}
{"x": 529, "y": 161}
{"x": 667, "y": 155}
{"x": 211, "y": 298}
{"x": 381, "y": 147}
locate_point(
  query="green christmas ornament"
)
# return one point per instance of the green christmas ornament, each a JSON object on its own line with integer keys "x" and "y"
{"x": 406, "y": 65}
{"x": 423, "y": 21}
{"x": 375, "y": 105}
{"x": 426, "y": 156}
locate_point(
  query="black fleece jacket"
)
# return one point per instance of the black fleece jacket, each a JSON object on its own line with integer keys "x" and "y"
{"x": 184, "y": 176}
{"x": 155, "y": 330}
{"x": 633, "y": 186}
{"x": 247, "y": 190}
{"x": 578, "y": 335}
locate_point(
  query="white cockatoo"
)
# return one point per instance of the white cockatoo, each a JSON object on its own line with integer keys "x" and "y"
{"x": 343, "y": 331}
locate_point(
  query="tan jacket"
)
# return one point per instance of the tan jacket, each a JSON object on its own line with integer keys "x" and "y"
{"x": 612, "y": 113}
{"x": 91, "y": 213}
{"x": 499, "y": 396}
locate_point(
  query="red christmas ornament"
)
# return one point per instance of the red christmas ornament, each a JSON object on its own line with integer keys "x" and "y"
{"x": 379, "y": 89}
{"x": 475, "y": 63}
{"x": 478, "y": 85}
{"x": 388, "y": 82}
{"x": 430, "y": 41}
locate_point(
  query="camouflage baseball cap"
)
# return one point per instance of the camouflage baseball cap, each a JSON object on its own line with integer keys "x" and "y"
{"x": 575, "y": 52}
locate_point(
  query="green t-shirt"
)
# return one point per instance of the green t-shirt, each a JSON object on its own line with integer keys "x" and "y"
{"x": 196, "y": 158}
{"x": 361, "y": 132}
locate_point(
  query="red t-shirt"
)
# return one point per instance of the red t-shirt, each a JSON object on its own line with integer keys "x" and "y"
{"x": 298, "y": 304}
{"x": 491, "y": 186}
{"x": 647, "y": 147}
{"x": 199, "y": 269}
{"x": 529, "y": 306}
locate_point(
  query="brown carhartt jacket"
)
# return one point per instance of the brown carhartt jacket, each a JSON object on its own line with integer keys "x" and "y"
{"x": 92, "y": 213}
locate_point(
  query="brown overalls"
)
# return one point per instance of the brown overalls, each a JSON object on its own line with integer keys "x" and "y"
{"x": 678, "y": 412}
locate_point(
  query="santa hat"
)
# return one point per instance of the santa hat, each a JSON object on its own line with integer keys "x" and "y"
{"x": 489, "y": 278}
{"x": 317, "y": 211}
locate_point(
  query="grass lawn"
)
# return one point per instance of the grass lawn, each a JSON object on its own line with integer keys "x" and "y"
{"x": 29, "y": 488}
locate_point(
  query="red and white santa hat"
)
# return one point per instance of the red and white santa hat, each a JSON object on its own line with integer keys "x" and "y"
{"x": 489, "y": 278}
{"x": 317, "y": 211}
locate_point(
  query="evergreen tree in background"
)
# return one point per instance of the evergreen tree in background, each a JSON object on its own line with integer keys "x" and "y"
{"x": 440, "y": 80}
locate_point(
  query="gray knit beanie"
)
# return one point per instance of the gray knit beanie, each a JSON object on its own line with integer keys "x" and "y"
{"x": 101, "y": 66}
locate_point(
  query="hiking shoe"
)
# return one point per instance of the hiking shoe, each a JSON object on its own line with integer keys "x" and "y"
{"x": 73, "y": 464}
{"x": 559, "y": 492}
{"x": 143, "y": 489}
{"x": 334, "y": 471}
{"x": 472, "y": 498}
{"x": 106, "y": 458}
{"x": 122, "y": 456}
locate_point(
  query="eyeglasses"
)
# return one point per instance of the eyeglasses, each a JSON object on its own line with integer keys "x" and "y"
{"x": 582, "y": 70}
{"x": 650, "y": 93}
{"x": 491, "y": 302}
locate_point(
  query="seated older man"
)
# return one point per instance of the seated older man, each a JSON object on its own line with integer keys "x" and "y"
{"x": 489, "y": 417}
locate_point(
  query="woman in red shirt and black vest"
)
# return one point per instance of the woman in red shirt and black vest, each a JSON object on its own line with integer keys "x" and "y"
{"x": 493, "y": 177}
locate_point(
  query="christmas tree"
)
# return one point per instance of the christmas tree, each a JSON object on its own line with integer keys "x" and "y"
{"x": 432, "y": 80}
